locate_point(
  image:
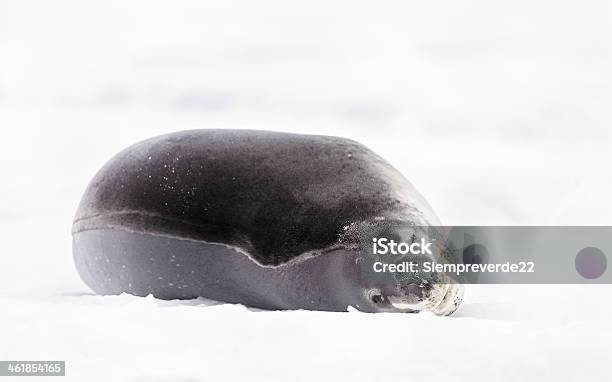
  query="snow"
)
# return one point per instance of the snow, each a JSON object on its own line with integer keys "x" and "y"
{"x": 498, "y": 114}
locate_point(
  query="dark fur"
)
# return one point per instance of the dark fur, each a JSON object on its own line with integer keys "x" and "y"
{"x": 275, "y": 195}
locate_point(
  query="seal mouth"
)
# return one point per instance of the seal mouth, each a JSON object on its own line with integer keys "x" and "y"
{"x": 443, "y": 301}
{"x": 449, "y": 301}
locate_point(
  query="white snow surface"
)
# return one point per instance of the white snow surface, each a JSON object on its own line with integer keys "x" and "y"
{"x": 497, "y": 113}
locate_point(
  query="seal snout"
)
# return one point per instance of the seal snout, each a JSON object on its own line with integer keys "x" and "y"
{"x": 441, "y": 299}
{"x": 411, "y": 297}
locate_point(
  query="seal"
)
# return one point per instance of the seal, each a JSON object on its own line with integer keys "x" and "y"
{"x": 265, "y": 219}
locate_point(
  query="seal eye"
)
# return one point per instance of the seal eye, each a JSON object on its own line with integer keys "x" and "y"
{"x": 376, "y": 297}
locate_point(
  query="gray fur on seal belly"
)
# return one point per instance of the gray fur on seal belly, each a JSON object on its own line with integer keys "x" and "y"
{"x": 266, "y": 219}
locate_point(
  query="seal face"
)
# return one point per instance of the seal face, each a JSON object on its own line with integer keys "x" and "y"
{"x": 253, "y": 217}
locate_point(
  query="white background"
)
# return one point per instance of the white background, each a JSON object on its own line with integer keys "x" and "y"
{"x": 498, "y": 113}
